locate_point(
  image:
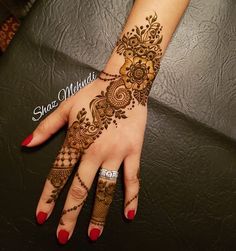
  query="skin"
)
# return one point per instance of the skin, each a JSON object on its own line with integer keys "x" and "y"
{"x": 118, "y": 142}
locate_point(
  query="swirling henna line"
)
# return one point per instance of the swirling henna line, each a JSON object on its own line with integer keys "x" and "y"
{"x": 118, "y": 96}
{"x": 61, "y": 222}
{"x": 142, "y": 53}
{"x": 65, "y": 211}
{"x": 82, "y": 183}
{"x": 82, "y": 133}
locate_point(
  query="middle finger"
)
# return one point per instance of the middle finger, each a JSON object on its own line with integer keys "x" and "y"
{"x": 76, "y": 197}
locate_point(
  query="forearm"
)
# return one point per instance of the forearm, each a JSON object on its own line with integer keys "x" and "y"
{"x": 169, "y": 13}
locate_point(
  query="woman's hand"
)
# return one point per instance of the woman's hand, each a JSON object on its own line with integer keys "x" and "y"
{"x": 107, "y": 122}
{"x": 106, "y": 127}
{"x": 103, "y": 135}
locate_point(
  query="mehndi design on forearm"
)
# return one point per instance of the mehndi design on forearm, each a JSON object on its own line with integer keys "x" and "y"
{"x": 142, "y": 53}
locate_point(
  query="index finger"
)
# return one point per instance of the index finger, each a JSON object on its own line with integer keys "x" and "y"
{"x": 61, "y": 170}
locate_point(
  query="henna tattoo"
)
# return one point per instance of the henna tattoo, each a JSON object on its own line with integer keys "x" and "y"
{"x": 112, "y": 76}
{"x": 104, "y": 195}
{"x": 65, "y": 211}
{"x": 142, "y": 53}
{"x": 82, "y": 183}
{"x": 61, "y": 170}
{"x": 61, "y": 222}
{"x": 136, "y": 195}
{"x": 128, "y": 202}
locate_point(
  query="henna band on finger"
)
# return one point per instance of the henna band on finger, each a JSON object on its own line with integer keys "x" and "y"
{"x": 104, "y": 195}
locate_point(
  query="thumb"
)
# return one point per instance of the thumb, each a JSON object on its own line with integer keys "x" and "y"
{"x": 49, "y": 125}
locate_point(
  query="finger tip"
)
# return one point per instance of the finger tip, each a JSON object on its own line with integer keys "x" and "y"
{"x": 94, "y": 233}
{"x": 63, "y": 236}
{"x": 41, "y": 217}
{"x": 130, "y": 214}
{"x": 26, "y": 142}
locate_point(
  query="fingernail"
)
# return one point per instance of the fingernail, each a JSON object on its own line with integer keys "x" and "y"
{"x": 41, "y": 217}
{"x": 63, "y": 236}
{"x": 27, "y": 140}
{"x": 94, "y": 234}
{"x": 131, "y": 214}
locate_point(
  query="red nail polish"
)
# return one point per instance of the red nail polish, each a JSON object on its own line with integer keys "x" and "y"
{"x": 131, "y": 214}
{"x": 41, "y": 217}
{"x": 94, "y": 234}
{"x": 63, "y": 236}
{"x": 27, "y": 140}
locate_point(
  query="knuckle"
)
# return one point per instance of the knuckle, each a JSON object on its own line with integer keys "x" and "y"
{"x": 132, "y": 180}
{"x": 63, "y": 104}
{"x": 45, "y": 197}
{"x": 135, "y": 147}
{"x": 78, "y": 192}
{"x": 42, "y": 126}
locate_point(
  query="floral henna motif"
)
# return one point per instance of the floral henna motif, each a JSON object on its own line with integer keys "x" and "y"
{"x": 104, "y": 196}
{"x": 142, "y": 53}
{"x": 137, "y": 73}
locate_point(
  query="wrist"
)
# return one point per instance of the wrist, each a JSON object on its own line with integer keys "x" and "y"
{"x": 136, "y": 59}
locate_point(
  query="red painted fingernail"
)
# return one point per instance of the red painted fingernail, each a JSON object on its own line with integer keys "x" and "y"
{"x": 131, "y": 214}
{"x": 27, "y": 140}
{"x": 94, "y": 234}
{"x": 41, "y": 217}
{"x": 63, "y": 236}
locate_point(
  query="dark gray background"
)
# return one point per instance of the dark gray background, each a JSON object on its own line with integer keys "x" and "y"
{"x": 188, "y": 195}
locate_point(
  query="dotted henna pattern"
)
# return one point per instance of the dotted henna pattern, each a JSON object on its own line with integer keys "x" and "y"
{"x": 65, "y": 211}
{"x": 141, "y": 50}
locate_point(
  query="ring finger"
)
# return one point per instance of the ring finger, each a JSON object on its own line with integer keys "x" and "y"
{"x": 104, "y": 195}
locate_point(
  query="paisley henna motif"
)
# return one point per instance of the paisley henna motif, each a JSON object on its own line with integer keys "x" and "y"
{"x": 117, "y": 95}
{"x": 141, "y": 50}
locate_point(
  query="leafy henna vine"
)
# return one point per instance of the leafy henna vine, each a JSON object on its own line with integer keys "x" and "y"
{"x": 142, "y": 53}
